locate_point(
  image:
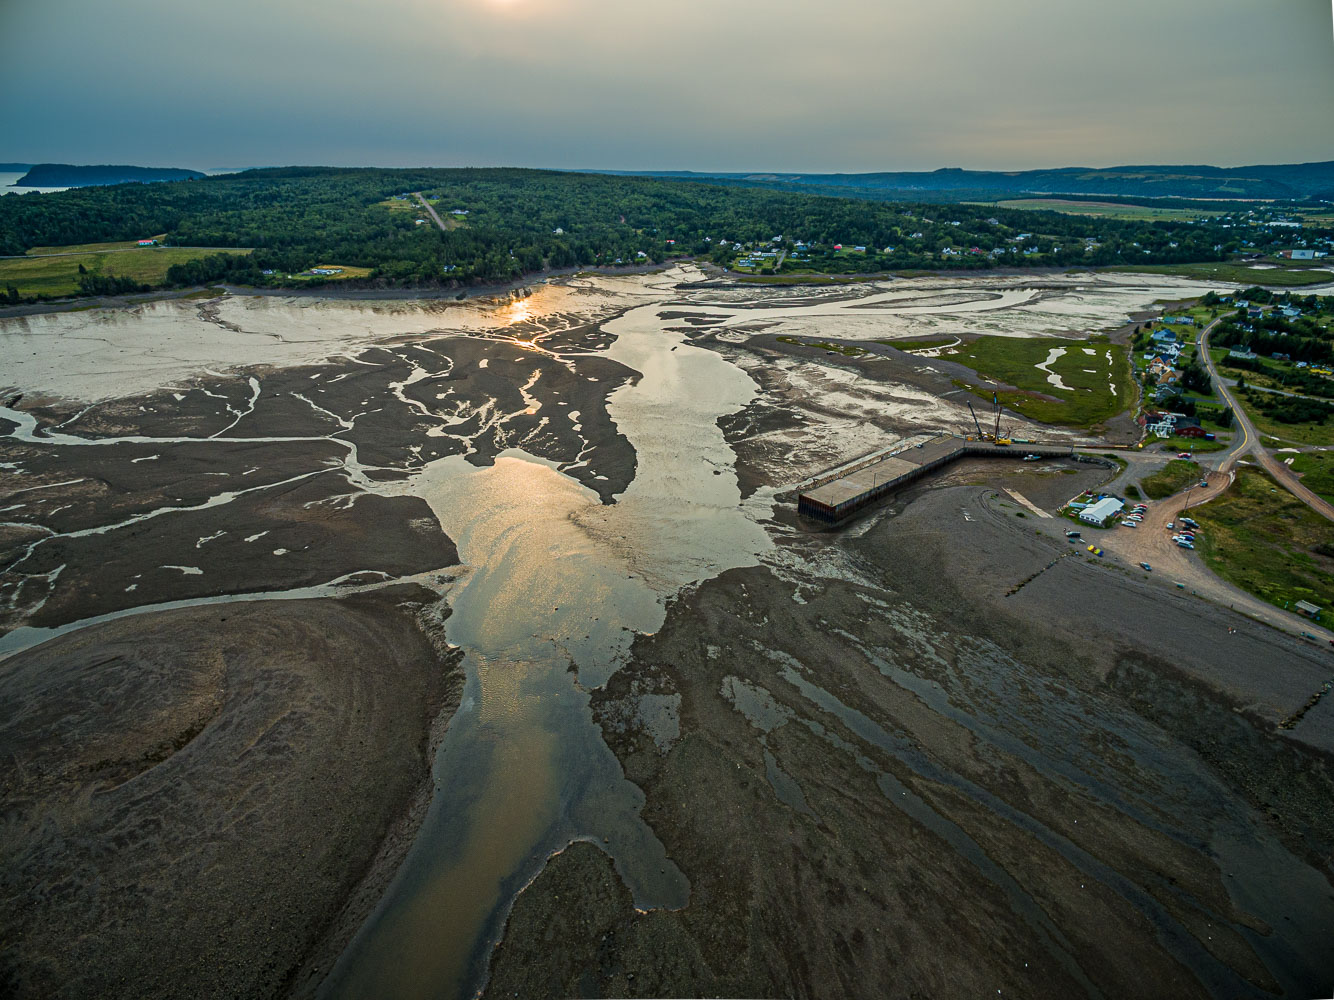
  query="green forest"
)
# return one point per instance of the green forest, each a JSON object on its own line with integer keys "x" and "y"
{"x": 524, "y": 221}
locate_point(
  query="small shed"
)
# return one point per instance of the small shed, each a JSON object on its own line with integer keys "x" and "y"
{"x": 1308, "y": 609}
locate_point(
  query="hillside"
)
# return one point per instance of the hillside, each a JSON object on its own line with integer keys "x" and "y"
{"x": 70, "y": 175}
{"x": 1293, "y": 181}
{"x": 504, "y": 223}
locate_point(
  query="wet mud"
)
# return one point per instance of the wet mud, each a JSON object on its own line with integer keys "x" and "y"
{"x": 678, "y": 741}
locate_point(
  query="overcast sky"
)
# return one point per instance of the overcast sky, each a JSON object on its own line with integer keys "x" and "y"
{"x": 791, "y": 85}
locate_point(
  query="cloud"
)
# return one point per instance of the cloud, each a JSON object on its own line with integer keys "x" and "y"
{"x": 779, "y": 85}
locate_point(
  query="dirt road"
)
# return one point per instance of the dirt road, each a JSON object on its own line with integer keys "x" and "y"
{"x": 1152, "y": 543}
{"x": 431, "y": 211}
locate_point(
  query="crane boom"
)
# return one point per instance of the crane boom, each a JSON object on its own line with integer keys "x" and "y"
{"x": 975, "y": 423}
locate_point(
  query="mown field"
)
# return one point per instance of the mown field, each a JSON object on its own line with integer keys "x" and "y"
{"x": 1103, "y": 209}
{"x": 1172, "y": 478}
{"x": 1265, "y": 541}
{"x": 1088, "y": 401}
{"x": 59, "y": 275}
{"x": 1242, "y": 274}
{"x": 1316, "y": 469}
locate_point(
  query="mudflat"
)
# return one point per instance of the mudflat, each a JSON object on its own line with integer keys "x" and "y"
{"x": 885, "y": 775}
{"x": 191, "y": 795}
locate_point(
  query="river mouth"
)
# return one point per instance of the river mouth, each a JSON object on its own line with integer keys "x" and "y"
{"x": 559, "y": 469}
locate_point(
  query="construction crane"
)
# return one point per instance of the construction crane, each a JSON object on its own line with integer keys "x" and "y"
{"x": 995, "y": 402}
{"x": 980, "y": 435}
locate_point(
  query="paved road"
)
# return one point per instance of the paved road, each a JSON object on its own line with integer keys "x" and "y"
{"x": 1248, "y": 441}
{"x": 427, "y": 205}
{"x": 1152, "y": 543}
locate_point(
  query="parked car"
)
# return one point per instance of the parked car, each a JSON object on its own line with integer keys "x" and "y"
{"x": 1147, "y": 567}
{"x": 1171, "y": 525}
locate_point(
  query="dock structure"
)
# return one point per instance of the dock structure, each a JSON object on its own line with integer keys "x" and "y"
{"x": 837, "y": 497}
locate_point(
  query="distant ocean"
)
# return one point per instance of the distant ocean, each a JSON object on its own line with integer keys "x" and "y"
{"x": 7, "y": 180}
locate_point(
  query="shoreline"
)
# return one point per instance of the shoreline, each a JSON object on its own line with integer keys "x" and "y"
{"x": 717, "y": 278}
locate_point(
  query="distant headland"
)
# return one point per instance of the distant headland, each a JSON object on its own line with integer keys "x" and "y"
{"x": 69, "y": 175}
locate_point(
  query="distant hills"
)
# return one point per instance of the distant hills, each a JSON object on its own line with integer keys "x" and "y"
{"x": 69, "y": 175}
{"x": 1282, "y": 182}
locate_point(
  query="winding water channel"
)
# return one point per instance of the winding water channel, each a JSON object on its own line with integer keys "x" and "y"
{"x": 559, "y": 587}
{"x": 555, "y": 585}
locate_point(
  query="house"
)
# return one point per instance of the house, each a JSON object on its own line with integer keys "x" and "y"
{"x": 558, "y": 231}
{"x": 1102, "y": 511}
{"x": 1302, "y": 255}
{"x": 458, "y": 211}
{"x": 1280, "y": 356}
{"x": 1179, "y": 320}
{"x": 1194, "y": 431}
{"x": 1244, "y": 353}
{"x": 1164, "y": 337}
{"x": 1160, "y": 368}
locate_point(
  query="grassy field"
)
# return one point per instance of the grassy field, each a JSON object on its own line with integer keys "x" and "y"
{"x": 918, "y": 345}
{"x": 1266, "y": 542}
{"x": 347, "y": 271}
{"x": 1102, "y": 209}
{"x": 1174, "y": 477}
{"x": 1175, "y": 444}
{"x": 1272, "y": 430}
{"x": 1238, "y": 273}
{"x": 55, "y": 276}
{"x": 92, "y": 247}
{"x": 847, "y": 350}
{"x": 1316, "y": 469}
{"x": 1089, "y": 399}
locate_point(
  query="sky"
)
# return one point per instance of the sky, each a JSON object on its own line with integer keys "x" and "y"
{"x": 735, "y": 85}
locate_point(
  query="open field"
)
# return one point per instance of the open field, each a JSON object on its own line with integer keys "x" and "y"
{"x": 1102, "y": 209}
{"x": 1273, "y": 430}
{"x": 1268, "y": 543}
{"x": 1316, "y": 469}
{"x": 1175, "y": 476}
{"x": 91, "y": 247}
{"x": 59, "y": 275}
{"x": 345, "y": 271}
{"x": 1096, "y": 385}
{"x": 1240, "y": 273}
{"x": 1175, "y": 444}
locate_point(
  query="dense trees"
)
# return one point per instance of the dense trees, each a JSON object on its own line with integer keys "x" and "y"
{"x": 521, "y": 221}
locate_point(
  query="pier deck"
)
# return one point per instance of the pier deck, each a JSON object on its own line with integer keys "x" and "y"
{"x": 843, "y": 494}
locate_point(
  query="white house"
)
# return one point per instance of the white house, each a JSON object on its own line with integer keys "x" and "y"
{"x": 1101, "y": 512}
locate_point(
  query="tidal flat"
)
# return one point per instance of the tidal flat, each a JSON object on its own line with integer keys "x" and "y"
{"x": 459, "y": 647}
